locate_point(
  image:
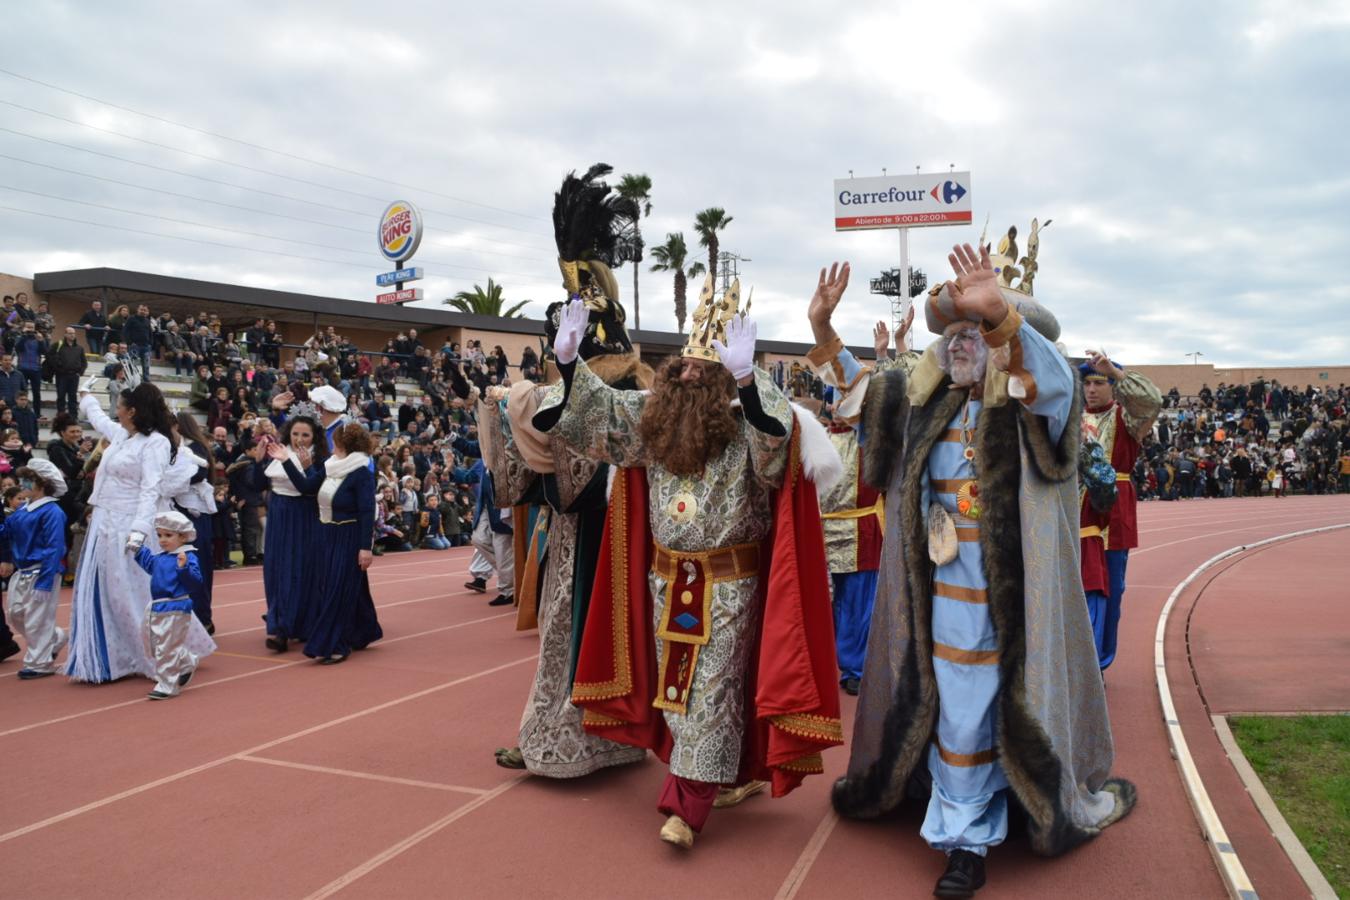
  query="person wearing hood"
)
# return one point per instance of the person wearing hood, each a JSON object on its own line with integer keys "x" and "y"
{"x": 35, "y": 535}
{"x": 175, "y": 574}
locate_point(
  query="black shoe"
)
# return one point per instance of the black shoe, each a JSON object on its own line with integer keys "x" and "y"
{"x": 501, "y": 600}
{"x": 478, "y": 584}
{"x": 964, "y": 875}
{"x": 279, "y": 644}
{"x": 11, "y": 649}
{"x": 230, "y": 564}
{"x": 332, "y": 660}
{"x": 33, "y": 674}
{"x": 851, "y": 687}
{"x": 211, "y": 628}
{"x": 185, "y": 678}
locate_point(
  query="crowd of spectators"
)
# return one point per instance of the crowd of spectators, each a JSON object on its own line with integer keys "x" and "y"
{"x": 427, "y": 469}
{"x": 1248, "y": 440}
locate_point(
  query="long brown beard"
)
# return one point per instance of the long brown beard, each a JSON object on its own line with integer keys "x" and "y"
{"x": 686, "y": 425}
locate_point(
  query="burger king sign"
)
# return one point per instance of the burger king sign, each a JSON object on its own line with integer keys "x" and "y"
{"x": 400, "y": 231}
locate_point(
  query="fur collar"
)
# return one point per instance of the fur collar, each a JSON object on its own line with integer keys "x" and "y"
{"x": 612, "y": 368}
{"x": 820, "y": 460}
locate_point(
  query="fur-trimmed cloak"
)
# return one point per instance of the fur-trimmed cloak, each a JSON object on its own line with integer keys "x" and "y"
{"x": 1054, "y": 738}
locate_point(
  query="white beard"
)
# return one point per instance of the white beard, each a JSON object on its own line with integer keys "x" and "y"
{"x": 964, "y": 374}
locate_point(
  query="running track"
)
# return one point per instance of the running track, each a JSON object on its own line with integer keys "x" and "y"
{"x": 276, "y": 778}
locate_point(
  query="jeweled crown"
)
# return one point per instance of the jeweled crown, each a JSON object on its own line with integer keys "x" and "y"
{"x": 711, "y": 318}
{"x": 1013, "y": 273}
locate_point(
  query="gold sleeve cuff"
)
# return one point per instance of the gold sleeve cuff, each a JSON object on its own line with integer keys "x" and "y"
{"x": 1003, "y": 332}
{"x": 823, "y": 354}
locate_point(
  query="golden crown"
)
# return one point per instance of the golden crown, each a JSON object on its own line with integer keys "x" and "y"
{"x": 711, "y": 318}
{"x": 1006, "y": 263}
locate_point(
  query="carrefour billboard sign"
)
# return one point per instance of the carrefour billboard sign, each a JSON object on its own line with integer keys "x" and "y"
{"x": 902, "y": 201}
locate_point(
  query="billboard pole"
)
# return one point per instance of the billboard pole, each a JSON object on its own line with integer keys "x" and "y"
{"x": 900, "y": 308}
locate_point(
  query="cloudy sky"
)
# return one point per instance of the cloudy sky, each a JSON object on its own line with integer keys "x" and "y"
{"x": 1195, "y": 161}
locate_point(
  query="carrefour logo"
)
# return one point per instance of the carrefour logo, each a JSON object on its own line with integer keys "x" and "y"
{"x": 400, "y": 231}
{"x": 951, "y": 191}
{"x": 948, "y": 192}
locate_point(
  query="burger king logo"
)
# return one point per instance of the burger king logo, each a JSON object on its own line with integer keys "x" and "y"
{"x": 400, "y": 231}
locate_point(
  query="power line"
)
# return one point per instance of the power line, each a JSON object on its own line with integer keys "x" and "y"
{"x": 226, "y": 162}
{"x": 177, "y": 237}
{"x": 235, "y": 185}
{"x": 244, "y": 143}
{"x": 269, "y": 237}
{"x": 254, "y": 209}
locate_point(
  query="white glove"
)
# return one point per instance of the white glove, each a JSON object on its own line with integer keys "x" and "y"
{"x": 572, "y": 321}
{"x": 88, "y": 386}
{"x": 135, "y": 540}
{"x": 738, "y": 353}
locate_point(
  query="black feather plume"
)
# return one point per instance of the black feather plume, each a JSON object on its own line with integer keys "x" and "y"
{"x": 591, "y": 221}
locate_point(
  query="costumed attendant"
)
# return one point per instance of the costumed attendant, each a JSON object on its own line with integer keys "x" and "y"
{"x": 529, "y": 468}
{"x": 980, "y": 665}
{"x": 35, "y": 535}
{"x": 175, "y": 575}
{"x": 111, "y": 591}
{"x": 197, "y": 501}
{"x": 332, "y": 407}
{"x": 854, "y": 511}
{"x": 1121, "y": 408}
{"x": 686, "y": 552}
{"x": 290, "y": 553}
{"x": 342, "y": 615}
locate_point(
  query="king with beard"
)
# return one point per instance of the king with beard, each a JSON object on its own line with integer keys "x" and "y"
{"x": 711, "y": 602}
{"x": 981, "y": 686}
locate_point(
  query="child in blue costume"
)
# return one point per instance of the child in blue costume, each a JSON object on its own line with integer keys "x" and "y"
{"x": 174, "y": 575}
{"x": 35, "y": 535}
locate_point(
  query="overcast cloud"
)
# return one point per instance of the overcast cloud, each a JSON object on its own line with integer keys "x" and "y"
{"x": 1195, "y": 160}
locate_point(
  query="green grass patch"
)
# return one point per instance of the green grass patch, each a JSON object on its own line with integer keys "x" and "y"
{"x": 1304, "y": 762}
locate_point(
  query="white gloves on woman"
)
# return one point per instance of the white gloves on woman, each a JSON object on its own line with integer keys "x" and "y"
{"x": 572, "y": 320}
{"x": 738, "y": 353}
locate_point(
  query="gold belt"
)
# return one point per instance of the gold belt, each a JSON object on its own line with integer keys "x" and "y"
{"x": 1122, "y": 476}
{"x": 729, "y": 564}
{"x": 877, "y": 509}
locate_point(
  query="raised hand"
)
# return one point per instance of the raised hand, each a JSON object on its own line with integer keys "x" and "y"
{"x": 277, "y": 451}
{"x": 282, "y": 400}
{"x": 881, "y": 339}
{"x": 1102, "y": 365}
{"x": 975, "y": 293}
{"x": 571, "y": 327}
{"x": 829, "y": 291}
{"x": 738, "y": 353}
{"x": 902, "y": 336}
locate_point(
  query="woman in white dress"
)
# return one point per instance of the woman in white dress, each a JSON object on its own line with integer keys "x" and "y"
{"x": 111, "y": 590}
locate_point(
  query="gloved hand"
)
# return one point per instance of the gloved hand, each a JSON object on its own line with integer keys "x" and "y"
{"x": 135, "y": 541}
{"x": 738, "y": 353}
{"x": 572, "y": 320}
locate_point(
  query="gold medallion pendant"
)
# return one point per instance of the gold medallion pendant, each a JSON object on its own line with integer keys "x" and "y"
{"x": 968, "y": 500}
{"x": 682, "y": 508}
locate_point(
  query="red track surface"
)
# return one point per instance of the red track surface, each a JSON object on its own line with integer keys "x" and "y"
{"x": 274, "y": 777}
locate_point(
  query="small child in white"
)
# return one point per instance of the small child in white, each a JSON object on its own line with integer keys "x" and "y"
{"x": 174, "y": 575}
{"x": 36, "y": 535}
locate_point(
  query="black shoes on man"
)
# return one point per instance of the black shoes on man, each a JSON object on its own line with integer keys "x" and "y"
{"x": 964, "y": 875}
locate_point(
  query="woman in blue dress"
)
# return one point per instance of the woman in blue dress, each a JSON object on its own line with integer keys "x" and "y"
{"x": 343, "y": 614}
{"x": 291, "y": 539}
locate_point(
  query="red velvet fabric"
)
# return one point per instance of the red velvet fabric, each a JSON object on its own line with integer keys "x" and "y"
{"x": 690, "y": 800}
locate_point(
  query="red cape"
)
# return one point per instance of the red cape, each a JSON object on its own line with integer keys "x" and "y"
{"x": 792, "y": 697}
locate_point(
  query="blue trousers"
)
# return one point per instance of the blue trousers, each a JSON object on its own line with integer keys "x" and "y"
{"x": 854, "y": 593}
{"x": 1105, "y": 614}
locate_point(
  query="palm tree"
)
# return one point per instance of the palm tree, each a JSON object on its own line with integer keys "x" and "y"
{"x": 637, "y": 188}
{"x": 707, "y": 224}
{"x": 488, "y": 302}
{"x": 671, "y": 257}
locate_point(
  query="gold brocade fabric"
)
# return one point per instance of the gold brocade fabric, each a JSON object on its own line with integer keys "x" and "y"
{"x": 729, "y": 504}
{"x": 841, "y": 535}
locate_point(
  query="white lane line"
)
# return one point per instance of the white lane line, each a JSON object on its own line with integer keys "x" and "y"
{"x": 414, "y": 839}
{"x": 797, "y": 876}
{"x": 279, "y": 665}
{"x": 251, "y": 751}
{"x": 1226, "y": 858}
{"x": 367, "y": 776}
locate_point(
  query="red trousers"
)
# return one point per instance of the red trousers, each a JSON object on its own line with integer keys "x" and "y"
{"x": 690, "y": 800}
